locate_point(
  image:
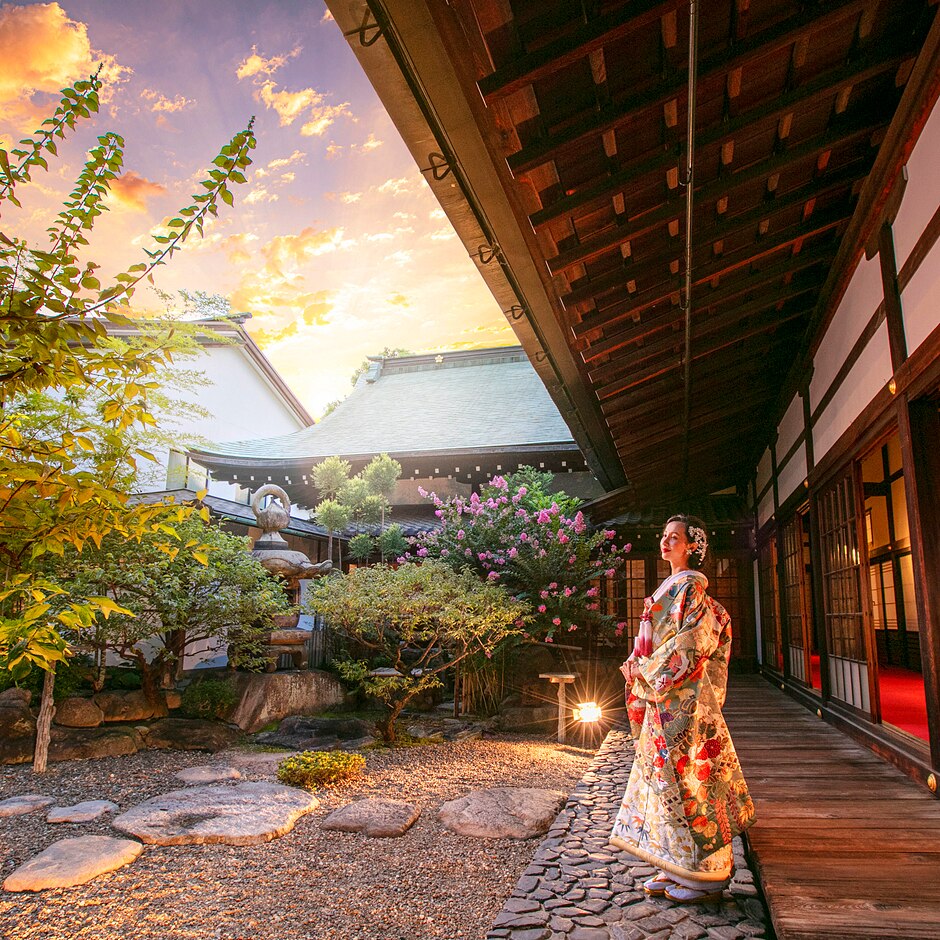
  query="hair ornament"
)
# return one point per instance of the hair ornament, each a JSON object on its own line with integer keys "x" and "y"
{"x": 697, "y": 535}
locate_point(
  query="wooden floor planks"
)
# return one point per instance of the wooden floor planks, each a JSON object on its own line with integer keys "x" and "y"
{"x": 846, "y": 846}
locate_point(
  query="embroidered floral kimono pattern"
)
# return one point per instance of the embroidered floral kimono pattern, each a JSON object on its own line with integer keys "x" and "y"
{"x": 686, "y": 798}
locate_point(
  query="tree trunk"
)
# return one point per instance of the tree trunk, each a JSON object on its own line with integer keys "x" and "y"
{"x": 44, "y": 723}
{"x": 150, "y": 686}
{"x": 329, "y": 545}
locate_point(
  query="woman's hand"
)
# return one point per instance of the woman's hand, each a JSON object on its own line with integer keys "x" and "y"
{"x": 630, "y": 668}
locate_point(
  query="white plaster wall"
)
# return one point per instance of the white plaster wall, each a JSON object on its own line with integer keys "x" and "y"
{"x": 920, "y": 301}
{"x": 240, "y": 405}
{"x": 870, "y": 373}
{"x": 861, "y": 300}
{"x": 922, "y": 195}
{"x": 789, "y": 428}
{"x": 792, "y": 475}
{"x": 763, "y": 470}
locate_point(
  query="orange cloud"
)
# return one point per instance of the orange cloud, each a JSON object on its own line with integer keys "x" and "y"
{"x": 287, "y": 252}
{"x": 279, "y": 163}
{"x": 160, "y": 102}
{"x": 133, "y": 191}
{"x": 259, "y": 65}
{"x": 399, "y": 300}
{"x": 41, "y": 51}
{"x": 308, "y": 102}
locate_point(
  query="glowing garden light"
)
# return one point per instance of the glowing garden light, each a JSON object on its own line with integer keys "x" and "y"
{"x": 587, "y": 711}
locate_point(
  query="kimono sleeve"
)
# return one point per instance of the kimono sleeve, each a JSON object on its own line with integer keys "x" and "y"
{"x": 681, "y": 659}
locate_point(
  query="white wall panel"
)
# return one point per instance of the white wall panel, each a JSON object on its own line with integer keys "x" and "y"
{"x": 861, "y": 300}
{"x": 791, "y": 476}
{"x": 763, "y": 470}
{"x": 922, "y": 195}
{"x": 920, "y": 301}
{"x": 766, "y": 508}
{"x": 789, "y": 428}
{"x": 869, "y": 374}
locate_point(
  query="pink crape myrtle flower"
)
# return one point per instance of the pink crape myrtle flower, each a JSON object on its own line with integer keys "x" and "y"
{"x": 556, "y": 621}
{"x": 542, "y": 608}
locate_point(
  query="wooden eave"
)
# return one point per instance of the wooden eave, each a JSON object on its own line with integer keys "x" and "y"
{"x": 560, "y": 130}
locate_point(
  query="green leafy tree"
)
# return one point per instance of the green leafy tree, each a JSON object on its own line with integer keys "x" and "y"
{"x": 61, "y": 492}
{"x": 392, "y": 542}
{"x": 361, "y": 546}
{"x": 334, "y": 517}
{"x": 329, "y": 476}
{"x": 207, "y": 592}
{"x": 404, "y": 628}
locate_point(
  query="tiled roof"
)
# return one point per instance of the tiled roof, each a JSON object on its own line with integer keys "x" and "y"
{"x": 456, "y": 401}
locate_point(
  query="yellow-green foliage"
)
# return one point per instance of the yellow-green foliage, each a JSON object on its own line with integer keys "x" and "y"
{"x": 312, "y": 769}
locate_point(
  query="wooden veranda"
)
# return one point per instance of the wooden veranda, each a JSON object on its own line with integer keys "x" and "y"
{"x": 846, "y": 846}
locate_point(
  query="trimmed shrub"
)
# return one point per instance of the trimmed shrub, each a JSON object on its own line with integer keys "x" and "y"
{"x": 312, "y": 769}
{"x": 210, "y": 698}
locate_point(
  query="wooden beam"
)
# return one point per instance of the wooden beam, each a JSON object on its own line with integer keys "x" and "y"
{"x": 801, "y": 229}
{"x": 846, "y": 129}
{"x": 704, "y": 327}
{"x": 637, "y": 377}
{"x": 727, "y": 292}
{"x": 719, "y": 266}
{"x": 578, "y": 43}
{"x": 892, "y": 296}
{"x": 653, "y": 95}
{"x": 595, "y": 245}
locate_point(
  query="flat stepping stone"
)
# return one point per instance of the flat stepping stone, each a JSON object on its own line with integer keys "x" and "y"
{"x": 17, "y": 805}
{"x": 71, "y": 862}
{"x": 502, "y": 812}
{"x": 209, "y": 773}
{"x": 374, "y": 817}
{"x": 85, "y": 811}
{"x": 240, "y": 814}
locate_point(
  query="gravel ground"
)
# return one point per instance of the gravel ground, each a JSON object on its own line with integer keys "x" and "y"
{"x": 308, "y": 885}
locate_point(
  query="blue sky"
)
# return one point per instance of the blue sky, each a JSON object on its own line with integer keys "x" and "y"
{"x": 335, "y": 245}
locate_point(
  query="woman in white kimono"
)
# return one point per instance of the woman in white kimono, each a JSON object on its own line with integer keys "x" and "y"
{"x": 686, "y": 798}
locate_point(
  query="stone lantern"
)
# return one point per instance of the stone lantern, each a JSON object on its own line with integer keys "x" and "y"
{"x": 290, "y": 566}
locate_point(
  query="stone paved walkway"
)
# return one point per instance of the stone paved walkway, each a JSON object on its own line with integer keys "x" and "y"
{"x": 580, "y": 888}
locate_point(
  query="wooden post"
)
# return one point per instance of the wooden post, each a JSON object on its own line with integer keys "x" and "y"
{"x": 919, "y": 431}
{"x": 44, "y": 723}
{"x": 561, "y": 679}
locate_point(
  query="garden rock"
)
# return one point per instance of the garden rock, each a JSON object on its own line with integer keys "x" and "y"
{"x": 209, "y": 773}
{"x": 239, "y": 814}
{"x": 258, "y": 762}
{"x": 173, "y": 699}
{"x": 92, "y": 743}
{"x": 502, "y": 812}
{"x": 271, "y": 697}
{"x": 18, "y": 805}
{"x": 374, "y": 817}
{"x": 311, "y": 733}
{"x": 86, "y": 811}
{"x": 425, "y": 733}
{"x": 72, "y": 862}
{"x": 125, "y": 706}
{"x": 78, "y": 712}
{"x": 15, "y": 695}
{"x": 191, "y": 734}
{"x": 17, "y": 731}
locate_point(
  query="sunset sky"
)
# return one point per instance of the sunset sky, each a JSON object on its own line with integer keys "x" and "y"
{"x": 335, "y": 245}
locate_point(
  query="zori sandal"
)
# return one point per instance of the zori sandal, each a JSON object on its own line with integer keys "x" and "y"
{"x": 656, "y": 887}
{"x": 680, "y": 894}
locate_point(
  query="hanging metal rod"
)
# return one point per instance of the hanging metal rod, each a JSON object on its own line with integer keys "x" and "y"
{"x": 687, "y": 180}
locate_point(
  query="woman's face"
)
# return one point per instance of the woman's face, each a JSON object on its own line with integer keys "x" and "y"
{"x": 674, "y": 544}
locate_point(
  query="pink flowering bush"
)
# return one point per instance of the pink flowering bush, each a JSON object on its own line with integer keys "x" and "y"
{"x": 537, "y": 545}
